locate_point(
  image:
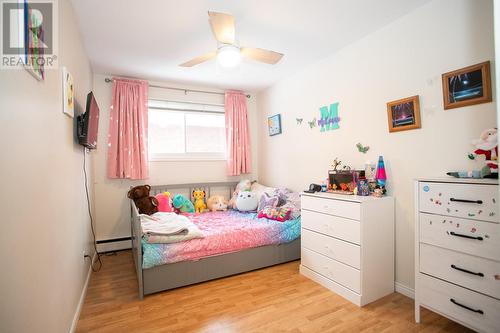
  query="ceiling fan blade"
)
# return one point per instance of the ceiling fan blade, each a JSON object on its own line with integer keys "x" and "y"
{"x": 222, "y": 26}
{"x": 199, "y": 60}
{"x": 269, "y": 57}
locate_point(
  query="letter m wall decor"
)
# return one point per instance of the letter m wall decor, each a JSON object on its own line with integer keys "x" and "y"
{"x": 329, "y": 117}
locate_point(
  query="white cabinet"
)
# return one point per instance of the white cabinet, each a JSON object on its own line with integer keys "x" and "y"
{"x": 348, "y": 244}
{"x": 457, "y": 251}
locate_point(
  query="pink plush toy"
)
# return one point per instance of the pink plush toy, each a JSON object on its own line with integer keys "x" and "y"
{"x": 164, "y": 202}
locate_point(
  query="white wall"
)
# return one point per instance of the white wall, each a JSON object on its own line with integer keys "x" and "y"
{"x": 403, "y": 59}
{"x": 112, "y": 205}
{"x": 45, "y": 225}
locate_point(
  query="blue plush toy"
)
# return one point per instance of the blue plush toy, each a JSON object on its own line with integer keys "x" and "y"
{"x": 182, "y": 204}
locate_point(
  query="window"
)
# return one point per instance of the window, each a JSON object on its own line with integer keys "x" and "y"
{"x": 184, "y": 130}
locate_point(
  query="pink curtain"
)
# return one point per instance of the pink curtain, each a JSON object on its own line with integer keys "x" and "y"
{"x": 237, "y": 135}
{"x": 128, "y": 130}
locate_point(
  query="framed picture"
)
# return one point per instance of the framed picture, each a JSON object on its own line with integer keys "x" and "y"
{"x": 34, "y": 38}
{"x": 467, "y": 86}
{"x": 404, "y": 114}
{"x": 274, "y": 124}
{"x": 68, "y": 93}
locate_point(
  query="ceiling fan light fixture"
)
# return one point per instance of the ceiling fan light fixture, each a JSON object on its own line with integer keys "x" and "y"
{"x": 229, "y": 56}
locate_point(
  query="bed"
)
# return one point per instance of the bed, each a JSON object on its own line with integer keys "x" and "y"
{"x": 234, "y": 243}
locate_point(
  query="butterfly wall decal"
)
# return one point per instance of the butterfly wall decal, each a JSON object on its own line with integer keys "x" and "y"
{"x": 361, "y": 148}
{"x": 299, "y": 121}
{"x": 312, "y": 123}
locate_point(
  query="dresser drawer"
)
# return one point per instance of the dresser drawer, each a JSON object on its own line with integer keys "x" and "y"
{"x": 440, "y": 296}
{"x": 468, "y": 271}
{"x": 479, "y": 202}
{"x": 333, "y": 248}
{"x": 348, "y": 209}
{"x": 334, "y": 226}
{"x": 345, "y": 275}
{"x": 468, "y": 236}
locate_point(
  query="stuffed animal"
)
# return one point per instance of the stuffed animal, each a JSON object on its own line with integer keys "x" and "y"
{"x": 243, "y": 185}
{"x": 246, "y": 201}
{"x": 144, "y": 203}
{"x": 182, "y": 204}
{"x": 164, "y": 202}
{"x": 487, "y": 145}
{"x": 199, "y": 200}
{"x": 217, "y": 202}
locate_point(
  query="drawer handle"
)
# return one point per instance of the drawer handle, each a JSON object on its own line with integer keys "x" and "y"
{"x": 467, "y": 271}
{"x": 466, "y": 236}
{"x": 479, "y": 202}
{"x": 466, "y": 307}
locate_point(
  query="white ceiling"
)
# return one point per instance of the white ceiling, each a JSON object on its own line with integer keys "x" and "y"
{"x": 149, "y": 39}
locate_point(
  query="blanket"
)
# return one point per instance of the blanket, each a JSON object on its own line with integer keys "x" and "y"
{"x": 168, "y": 228}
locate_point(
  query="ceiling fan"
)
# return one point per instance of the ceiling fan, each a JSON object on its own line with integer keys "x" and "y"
{"x": 229, "y": 54}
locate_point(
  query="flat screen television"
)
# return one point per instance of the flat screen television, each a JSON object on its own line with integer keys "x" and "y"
{"x": 88, "y": 123}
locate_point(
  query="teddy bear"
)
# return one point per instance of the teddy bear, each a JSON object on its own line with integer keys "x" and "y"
{"x": 145, "y": 203}
{"x": 217, "y": 202}
{"x": 182, "y": 204}
{"x": 199, "y": 200}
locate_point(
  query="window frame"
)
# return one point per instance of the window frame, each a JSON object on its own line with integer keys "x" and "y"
{"x": 187, "y": 156}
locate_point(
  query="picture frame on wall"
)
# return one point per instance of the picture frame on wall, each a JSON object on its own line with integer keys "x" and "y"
{"x": 404, "y": 114}
{"x": 274, "y": 124}
{"x": 68, "y": 93}
{"x": 467, "y": 86}
{"x": 34, "y": 38}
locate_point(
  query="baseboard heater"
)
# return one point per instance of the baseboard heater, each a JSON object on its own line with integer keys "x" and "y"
{"x": 114, "y": 244}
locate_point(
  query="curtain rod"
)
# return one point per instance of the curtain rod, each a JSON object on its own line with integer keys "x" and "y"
{"x": 108, "y": 80}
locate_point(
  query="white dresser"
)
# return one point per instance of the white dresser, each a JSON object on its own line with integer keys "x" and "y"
{"x": 457, "y": 253}
{"x": 348, "y": 244}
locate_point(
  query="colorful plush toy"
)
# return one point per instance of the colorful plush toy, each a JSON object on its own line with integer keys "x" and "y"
{"x": 199, "y": 200}
{"x": 217, "y": 202}
{"x": 164, "y": 202}
{"x": 280, "y": 214}
{"x": 144, "y": 203}
{"x": 182, "y": 204}
{"x": 246, "y": 201}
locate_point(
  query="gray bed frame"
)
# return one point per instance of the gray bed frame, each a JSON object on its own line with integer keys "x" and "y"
{"x": 169, "y": 276}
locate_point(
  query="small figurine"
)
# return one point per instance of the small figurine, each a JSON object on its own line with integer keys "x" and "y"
{"x": 379, "y": 191}
{"x": 336, "y": 163}
{"x": 344, "y": 187}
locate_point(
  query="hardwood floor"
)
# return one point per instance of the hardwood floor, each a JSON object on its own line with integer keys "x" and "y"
{"x": 275, "y": 299}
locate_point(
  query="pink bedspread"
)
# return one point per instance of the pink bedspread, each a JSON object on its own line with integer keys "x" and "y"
{"x": 223, "y": 232}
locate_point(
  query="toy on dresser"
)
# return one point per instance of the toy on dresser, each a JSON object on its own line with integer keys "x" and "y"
{"x": 486, "y": 145}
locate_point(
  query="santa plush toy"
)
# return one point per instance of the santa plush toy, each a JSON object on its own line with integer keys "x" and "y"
{"x": 487, "y": 145}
